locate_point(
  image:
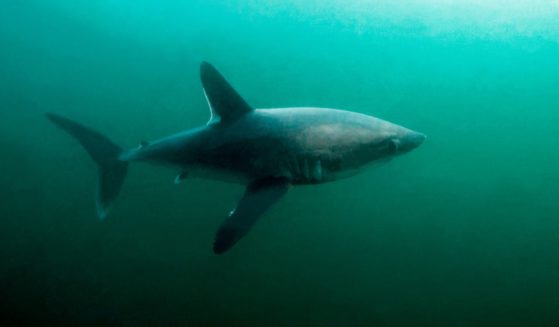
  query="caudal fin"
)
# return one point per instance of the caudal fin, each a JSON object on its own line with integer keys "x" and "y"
{"x": 105, "y": 153}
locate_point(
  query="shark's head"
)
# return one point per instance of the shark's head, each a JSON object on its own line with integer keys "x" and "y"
{"x": 403, "y": 140}
{"x": 384, "y": 140}
{"x": 352, "y": 140}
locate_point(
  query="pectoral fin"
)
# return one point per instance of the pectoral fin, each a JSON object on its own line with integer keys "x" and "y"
{"x": 259, "y": 196}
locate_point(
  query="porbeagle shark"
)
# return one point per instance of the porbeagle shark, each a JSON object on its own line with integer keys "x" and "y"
{"x": 268, "y": 150}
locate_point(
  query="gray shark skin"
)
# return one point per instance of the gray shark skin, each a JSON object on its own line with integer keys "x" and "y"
{"x": 266, "y": 149}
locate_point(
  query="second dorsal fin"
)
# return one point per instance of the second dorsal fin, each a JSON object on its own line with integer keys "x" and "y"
{"x": 225, "y": 103}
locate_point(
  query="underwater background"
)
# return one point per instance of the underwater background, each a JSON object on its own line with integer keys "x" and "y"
{"x": 464, "y": 231}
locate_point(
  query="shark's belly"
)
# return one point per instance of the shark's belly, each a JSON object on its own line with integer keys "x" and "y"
{"x": 310, "y": 169}
{"x": 298, "y": 168}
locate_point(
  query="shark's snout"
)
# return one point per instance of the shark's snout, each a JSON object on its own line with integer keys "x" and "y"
{"x": 410, "y": 141}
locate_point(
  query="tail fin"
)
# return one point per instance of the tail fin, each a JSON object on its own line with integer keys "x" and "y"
{"x": 105, "y": 153}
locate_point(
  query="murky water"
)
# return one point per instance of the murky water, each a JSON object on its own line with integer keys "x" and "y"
{"x": 464, "y": 231}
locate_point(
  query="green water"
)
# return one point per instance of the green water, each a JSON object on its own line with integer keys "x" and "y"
{"x": 464, "y": 231}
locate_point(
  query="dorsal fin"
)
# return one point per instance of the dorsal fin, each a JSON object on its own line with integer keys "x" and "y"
{"x": 225, "y": 103}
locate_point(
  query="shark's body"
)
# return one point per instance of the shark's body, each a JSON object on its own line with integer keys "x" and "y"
{"x": 303, "y": 145}
{"x": 266, "y": 149}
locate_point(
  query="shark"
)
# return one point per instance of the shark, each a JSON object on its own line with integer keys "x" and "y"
{"x": 267, "y": 150}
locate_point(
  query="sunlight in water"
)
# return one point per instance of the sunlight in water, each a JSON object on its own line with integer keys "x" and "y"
{"x": 475, "y": 18}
